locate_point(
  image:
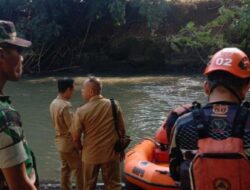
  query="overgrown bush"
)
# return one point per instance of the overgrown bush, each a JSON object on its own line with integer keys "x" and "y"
{"x": 137, "y": 34}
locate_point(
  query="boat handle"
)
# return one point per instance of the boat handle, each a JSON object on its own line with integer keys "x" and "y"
{"x": 162, "y": 171}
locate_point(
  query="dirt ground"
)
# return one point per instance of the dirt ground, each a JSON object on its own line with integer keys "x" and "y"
{"x": 55, "y": 185}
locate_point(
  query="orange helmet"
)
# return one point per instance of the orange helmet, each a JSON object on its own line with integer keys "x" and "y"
{"x": 231, "y": 60}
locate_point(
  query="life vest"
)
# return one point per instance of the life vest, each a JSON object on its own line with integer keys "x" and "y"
{"x": 173, "y": 116}
{"x": 164, "y": 133}
{"x": 220, "y": 164}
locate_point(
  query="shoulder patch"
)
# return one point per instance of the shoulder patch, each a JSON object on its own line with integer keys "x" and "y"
{"x": 220, "y": 110}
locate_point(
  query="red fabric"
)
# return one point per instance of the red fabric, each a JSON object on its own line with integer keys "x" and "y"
{"x": 220, "y": 173}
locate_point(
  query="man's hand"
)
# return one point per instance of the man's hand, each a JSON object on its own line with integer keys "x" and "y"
{"x": 77, "y": 140}
{"x": 17, "y": 178}
{"x": 122, "y": 156}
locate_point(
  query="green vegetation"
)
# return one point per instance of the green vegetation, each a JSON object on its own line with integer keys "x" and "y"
{"x": 127, "y": 35}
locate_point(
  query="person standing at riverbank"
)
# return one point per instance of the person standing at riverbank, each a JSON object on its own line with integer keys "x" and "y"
{"x": 95, "y": 121}
{"x": 61, "y": 112}
{"x": 210, "y": 148}
{"x": 16, "y": 158}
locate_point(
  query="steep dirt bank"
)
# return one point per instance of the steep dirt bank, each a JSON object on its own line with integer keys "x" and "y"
{"x": 136, "y": 48}
{"x": 133, "y": 47}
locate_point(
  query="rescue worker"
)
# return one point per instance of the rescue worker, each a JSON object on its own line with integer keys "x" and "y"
{"x": 226, "y": 86}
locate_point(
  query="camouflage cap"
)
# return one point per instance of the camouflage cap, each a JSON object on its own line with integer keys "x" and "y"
{"x": 8, "y": 35}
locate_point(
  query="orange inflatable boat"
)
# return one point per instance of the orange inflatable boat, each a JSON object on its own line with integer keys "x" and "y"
{"x": 146, "y": 165}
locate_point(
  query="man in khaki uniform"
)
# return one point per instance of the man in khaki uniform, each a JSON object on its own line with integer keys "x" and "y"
{"x": 61, "y": 114}
{"x": 95, "y": 121}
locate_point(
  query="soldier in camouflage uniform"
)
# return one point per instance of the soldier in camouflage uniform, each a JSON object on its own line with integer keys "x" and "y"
{"x": 16, "y": 160}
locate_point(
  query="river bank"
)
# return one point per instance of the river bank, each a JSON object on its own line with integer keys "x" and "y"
{"x": 145, "y": 100}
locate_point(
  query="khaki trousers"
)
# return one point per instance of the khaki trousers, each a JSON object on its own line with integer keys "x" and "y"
{"x": 110, "y": 175}
{"x": 71, "y": 164}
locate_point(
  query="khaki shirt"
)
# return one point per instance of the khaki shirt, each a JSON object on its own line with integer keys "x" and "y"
{"x": 95, "y": 121}
{"x": 61, "y": 114}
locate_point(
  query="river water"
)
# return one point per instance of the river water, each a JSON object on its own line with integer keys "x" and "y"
{"x": 144, "y": 101}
